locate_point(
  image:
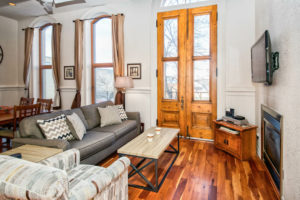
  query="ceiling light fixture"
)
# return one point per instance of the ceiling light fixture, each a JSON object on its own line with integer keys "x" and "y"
{"x": 11, "y": 4}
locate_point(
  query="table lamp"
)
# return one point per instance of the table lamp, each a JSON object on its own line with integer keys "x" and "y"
{"x": 122, "y": 83}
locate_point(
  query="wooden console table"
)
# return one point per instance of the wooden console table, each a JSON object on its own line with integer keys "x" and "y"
{"x": 242, "y": 145}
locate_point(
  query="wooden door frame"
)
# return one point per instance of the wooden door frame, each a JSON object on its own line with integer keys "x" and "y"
{"x": 181, "y": 59}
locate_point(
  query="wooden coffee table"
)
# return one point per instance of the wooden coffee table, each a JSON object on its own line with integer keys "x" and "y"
{"x": 151, "y": 151}
{"x": 33, "y": 153}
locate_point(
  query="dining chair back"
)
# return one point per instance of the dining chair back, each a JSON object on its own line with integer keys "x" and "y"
{"x": 45, "y": 105}
{"x": 26, "y": 101}
{"x": 19, "y": 113}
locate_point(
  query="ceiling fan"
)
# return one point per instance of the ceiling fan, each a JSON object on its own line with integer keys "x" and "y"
{"x": 50, "y": 4}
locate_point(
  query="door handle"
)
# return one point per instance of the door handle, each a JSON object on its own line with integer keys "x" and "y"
{"x": 182, "y": 103}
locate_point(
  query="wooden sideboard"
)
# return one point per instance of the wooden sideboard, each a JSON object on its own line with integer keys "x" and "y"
{"x": 242, "y": 145}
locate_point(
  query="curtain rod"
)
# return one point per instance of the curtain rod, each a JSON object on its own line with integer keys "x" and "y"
{"x": 23, "y": 29}
{"x": 94, "y": 18}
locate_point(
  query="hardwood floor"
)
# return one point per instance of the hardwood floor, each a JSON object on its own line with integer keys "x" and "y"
{"x": 204, "y": 172}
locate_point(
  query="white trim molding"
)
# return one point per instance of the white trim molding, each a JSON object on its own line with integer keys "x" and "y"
{"x": 138, "y": 91}
{"x": 11, "y": 87}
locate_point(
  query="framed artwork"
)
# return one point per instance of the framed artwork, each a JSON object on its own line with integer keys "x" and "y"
{"x": 134, "y": 70}
{"x": 69, "y": 72}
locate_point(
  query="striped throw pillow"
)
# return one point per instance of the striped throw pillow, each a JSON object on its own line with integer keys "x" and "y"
{"x": 56, "y": 128}
{"x": 122, "y": 112}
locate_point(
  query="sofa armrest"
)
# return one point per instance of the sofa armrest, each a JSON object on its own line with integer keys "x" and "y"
{"x": 135, "y": 116}
{"x": 17, "y": 177}
{"x": 65, "y": 161}
{"x": 59, "y": 144}
{"x": 97, "y": 182}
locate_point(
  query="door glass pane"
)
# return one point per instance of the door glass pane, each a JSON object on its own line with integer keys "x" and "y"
{"x": 170, "y": 80}
{"x": 104, "y": 84}
{"x": 102, "y": 41}
{"x": 202, "y": 35}
{"x": 46, "y": 45}
{"x": 48, "y": 89}
{"x": 170, "y": 38}
{"x": 201, "y": 80}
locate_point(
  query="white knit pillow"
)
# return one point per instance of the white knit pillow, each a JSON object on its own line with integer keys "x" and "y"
{"x": 79, "y": 128}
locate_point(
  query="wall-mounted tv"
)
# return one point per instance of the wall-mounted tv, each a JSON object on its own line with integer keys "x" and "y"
{"x": 263, "y": 61}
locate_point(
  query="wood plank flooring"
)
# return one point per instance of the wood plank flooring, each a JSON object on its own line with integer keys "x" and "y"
{"x": 203, "y": 172}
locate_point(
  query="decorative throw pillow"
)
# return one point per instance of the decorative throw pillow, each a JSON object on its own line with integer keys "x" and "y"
{"x": 109, "y": 116}
{"x": 122, "y": 112}
{"x": 56, "y": 128}
{"x": 76, "y": 126}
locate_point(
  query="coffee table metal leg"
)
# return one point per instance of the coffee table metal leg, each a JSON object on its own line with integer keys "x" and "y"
{"x": 136, "y": 169}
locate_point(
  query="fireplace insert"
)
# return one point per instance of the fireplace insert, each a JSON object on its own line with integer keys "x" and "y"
{"x": 271, "y": 144}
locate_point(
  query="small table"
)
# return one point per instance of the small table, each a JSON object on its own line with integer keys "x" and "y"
{"x": 141, "y": 148}
{"x": 33, "y": 153}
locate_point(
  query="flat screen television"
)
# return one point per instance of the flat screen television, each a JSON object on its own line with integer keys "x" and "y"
{"x": 263, "y": 61}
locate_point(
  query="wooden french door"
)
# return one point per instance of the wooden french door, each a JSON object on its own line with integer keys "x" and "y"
{"x": 187, "y": 58}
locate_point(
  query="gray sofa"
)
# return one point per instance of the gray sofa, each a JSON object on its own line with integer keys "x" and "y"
{"x": 97, "y": 143}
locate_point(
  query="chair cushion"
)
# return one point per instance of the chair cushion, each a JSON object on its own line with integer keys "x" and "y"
{"x": 92, "y": 115}
{"x": 92, "y": 143}
{"x": 119, "y": 130}
{"x": 56, "y": 128}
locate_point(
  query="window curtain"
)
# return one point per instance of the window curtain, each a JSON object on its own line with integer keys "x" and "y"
{"x": 27, "y": 58}
{"x": 118, "y": 44}
{"x": 56, "y": 36}
{"x": 78, "y": 61}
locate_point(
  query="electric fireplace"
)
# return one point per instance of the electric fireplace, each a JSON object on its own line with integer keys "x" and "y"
{"x": 271, "y": 145}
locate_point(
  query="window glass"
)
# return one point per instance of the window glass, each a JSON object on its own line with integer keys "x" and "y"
{"x": 171, "y": 37}
{"x": 201, "y": 80}
{"x": 48, "y": 88}
{"x": 104, "y": 84}
{"x": 170, "y": 80}
{"x": 165, "y": 3}
{"x": 201, "y": 35}
{"x": 46, "y": 45}
{"x": 102, "y": 41}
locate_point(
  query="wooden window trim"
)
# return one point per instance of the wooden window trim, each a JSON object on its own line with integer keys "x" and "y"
{"x": 96, "y": 65}
{"x": 42, "y": 67}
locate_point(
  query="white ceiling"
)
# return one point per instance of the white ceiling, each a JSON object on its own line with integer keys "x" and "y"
{"x": 32, "y": 8}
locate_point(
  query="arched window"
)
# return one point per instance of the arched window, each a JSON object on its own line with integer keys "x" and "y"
{"x": 47, "y": 90}
{"x": 102, "y": 60}
{"x": 166, "y": 3}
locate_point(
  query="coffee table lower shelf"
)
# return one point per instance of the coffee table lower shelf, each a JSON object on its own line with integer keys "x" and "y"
{"x": 136, "y": 169}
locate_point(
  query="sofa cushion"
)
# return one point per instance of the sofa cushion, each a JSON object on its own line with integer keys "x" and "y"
{"x": 79, "y": 113}
{"x": 109, "y": 116}
{"x": 119, "y": 130}
{"x": 92, "y": 115}
{"x": 30, "y": 129}
{"x": 56, "y": 128}
{"x": 92, "y": 143}
{"x": 76, "y": 126}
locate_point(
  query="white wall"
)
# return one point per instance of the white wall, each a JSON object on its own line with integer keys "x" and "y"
{"x": 9, "y": 88}
{"x": 281, "y": 18}
{"x": 235, "y": 36}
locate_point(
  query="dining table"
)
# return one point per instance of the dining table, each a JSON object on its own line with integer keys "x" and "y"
{"x": 6, "y": 115}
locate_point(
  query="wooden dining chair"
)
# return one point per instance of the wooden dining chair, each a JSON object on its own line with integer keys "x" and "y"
{"x": 19, "y": 113}
{"x": 26, "y": 101}
{"x": 45, "y": 105}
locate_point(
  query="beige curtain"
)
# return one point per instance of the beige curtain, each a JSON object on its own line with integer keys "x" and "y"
{"x": 56, "y": 36}
{"x": 78, "y": 61}
{"x": 118, "y": 43}
{"x": 27, "y": 58}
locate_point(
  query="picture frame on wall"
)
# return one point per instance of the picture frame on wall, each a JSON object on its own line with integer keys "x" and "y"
{"x": 134, "y": 70}
{"x": 69, "y": 72}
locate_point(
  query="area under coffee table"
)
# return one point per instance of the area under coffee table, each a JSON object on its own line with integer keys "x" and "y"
{"x": 140, "y": 147}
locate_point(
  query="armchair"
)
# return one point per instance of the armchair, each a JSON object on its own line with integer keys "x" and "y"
{"x": 63, "y": 177}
